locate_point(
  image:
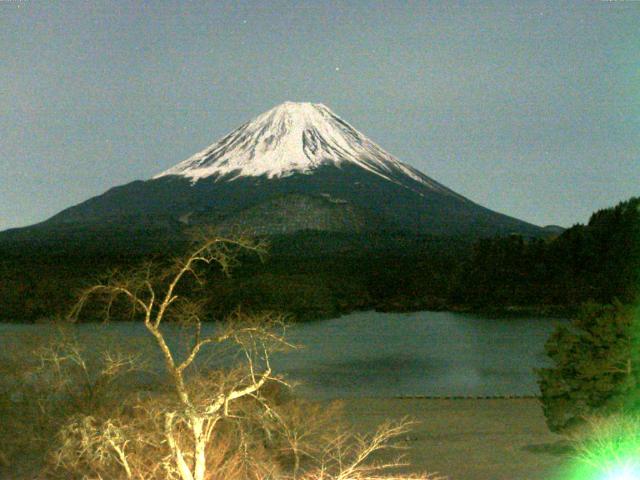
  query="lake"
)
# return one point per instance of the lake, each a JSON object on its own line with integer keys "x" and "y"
{"x": 371, "y": 354}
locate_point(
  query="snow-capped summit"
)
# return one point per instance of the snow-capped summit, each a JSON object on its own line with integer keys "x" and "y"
{"x": 297, "y": 167}
{"x": 293, "y": 138}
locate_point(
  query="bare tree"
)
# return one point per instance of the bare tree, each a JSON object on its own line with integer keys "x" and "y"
{"x": 348, "y": 456}
{"x": 200, "y": 402}
{"x": 155, "y": 298}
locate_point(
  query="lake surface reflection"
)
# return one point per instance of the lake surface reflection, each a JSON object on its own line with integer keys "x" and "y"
{"x": 423, "y": 353}
{"x": 391, "y": 354}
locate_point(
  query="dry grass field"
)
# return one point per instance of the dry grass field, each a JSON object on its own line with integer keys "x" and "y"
{"x": 468, "y": 439}
{"x": 459, "y": 439}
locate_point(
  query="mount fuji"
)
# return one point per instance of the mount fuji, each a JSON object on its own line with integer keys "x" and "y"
{"x": 295, "y": 138}
{"x": 295, "y": 167}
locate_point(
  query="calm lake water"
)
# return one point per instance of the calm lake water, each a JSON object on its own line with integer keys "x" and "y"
{"x": 390, "y": 354}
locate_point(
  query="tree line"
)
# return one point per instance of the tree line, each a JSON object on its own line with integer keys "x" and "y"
{"x": 313, "y": 275}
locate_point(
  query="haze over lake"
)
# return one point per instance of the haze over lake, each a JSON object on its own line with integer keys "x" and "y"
{"x": 371, "y": 354}
{"x": 421, "y": 353}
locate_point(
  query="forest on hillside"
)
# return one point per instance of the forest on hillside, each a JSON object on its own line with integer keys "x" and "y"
{"x": 313, "y": 274}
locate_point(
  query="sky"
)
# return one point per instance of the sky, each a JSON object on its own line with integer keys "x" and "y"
{"x": 528, "y": 108}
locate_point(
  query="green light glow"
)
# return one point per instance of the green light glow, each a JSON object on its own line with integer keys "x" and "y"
{"x": 608, "y": 449}
{"x": 616, "y": 468}
{"x": 625, "y": 472}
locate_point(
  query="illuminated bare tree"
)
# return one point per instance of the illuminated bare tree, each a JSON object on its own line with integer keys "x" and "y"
{"x": 158, "y": 300}
{"x": 202, "y": 401}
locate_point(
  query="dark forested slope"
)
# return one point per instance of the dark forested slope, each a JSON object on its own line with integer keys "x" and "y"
{"x": 314, "y": 274}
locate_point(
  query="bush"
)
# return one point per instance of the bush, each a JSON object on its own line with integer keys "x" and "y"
{"x": 52, "y": 376}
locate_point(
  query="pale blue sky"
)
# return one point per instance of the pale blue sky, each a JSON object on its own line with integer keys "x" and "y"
{"x": 529, "y": 108}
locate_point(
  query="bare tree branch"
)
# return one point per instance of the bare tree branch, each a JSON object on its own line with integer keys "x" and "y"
{"x": 199, "y": 409}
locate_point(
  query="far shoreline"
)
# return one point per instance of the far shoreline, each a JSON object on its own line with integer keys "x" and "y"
{"x": 491, "y": 312}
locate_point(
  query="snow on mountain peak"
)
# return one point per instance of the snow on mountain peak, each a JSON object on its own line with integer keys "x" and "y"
{"x": 292, "y": 138}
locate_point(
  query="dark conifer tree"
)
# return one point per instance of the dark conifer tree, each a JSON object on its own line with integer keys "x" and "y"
{"x": 596, "y": 366}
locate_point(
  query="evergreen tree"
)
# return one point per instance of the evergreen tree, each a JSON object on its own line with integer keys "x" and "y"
{"x": 596, "y": 368}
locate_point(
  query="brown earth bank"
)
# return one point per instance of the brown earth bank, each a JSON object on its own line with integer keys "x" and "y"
{"x": 468, "y": 439}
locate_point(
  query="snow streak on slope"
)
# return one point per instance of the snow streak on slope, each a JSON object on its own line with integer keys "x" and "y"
{"x": 294, "y": 138}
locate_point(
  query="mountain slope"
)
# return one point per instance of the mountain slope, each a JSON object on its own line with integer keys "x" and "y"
{"x": 281, "y": 172}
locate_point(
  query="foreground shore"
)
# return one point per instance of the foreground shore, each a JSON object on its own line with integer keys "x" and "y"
{"x": 468, "y": 439}
{"x": 465, "y": 439}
